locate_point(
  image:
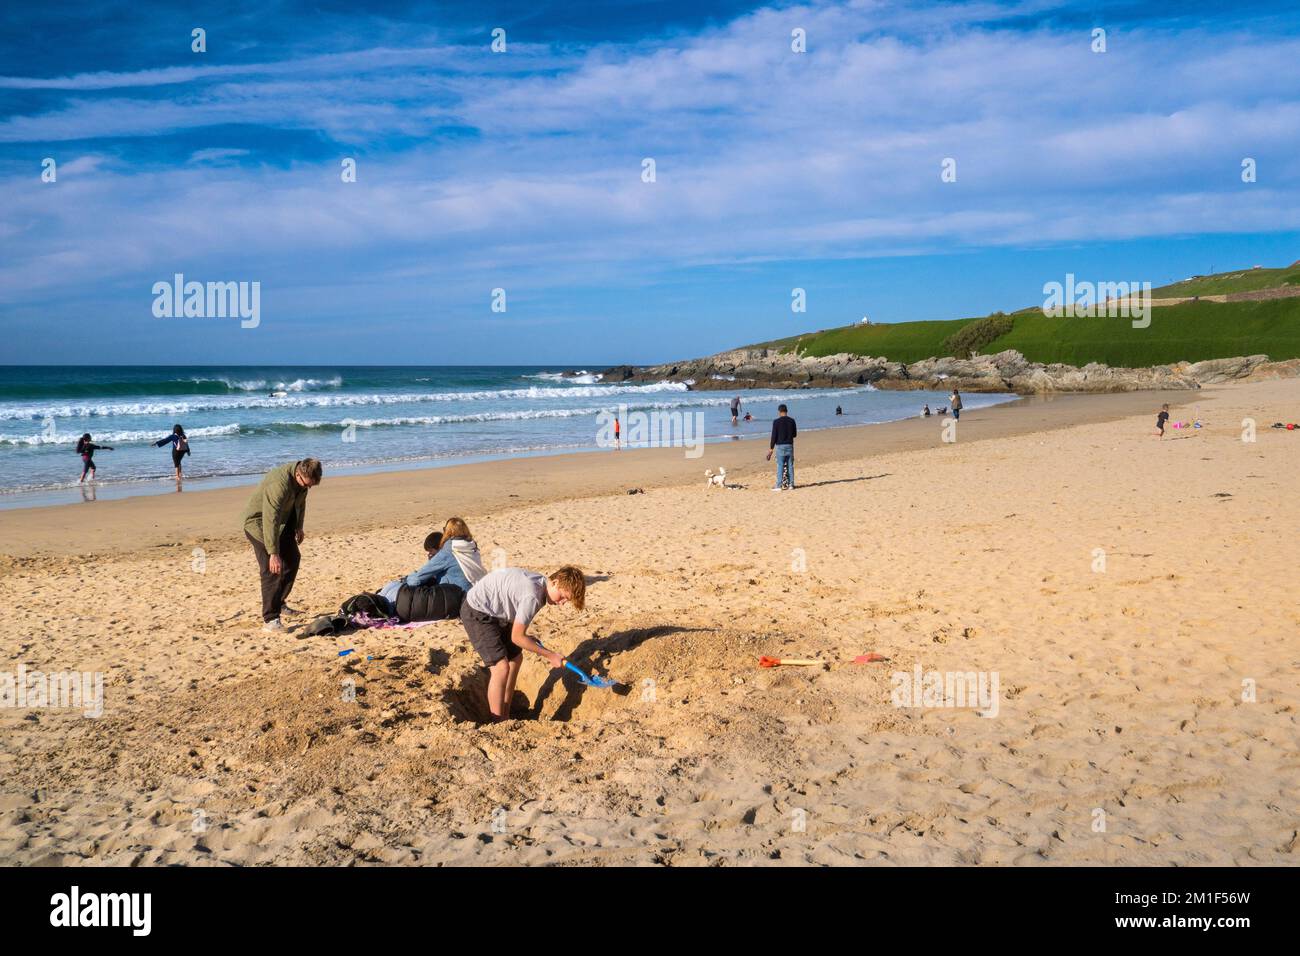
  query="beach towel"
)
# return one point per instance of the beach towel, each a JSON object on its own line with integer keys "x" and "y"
{"x": 368, "y": 621}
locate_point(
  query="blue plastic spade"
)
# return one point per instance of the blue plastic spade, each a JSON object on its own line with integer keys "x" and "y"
{"x": 592, "y": 680}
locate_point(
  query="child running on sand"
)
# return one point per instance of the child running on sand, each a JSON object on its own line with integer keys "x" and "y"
{"x": 86, "y": 449}
{"x": 496, "y": 614}
{"x": 1161, "y": 419}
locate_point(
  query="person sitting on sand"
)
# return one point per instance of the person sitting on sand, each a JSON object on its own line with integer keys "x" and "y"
{"x": 180, "y": 447}
{"x": 496, "y": 613}
{"x": 453, "y": 560}
{"x": 1161, "y": 419}
{"x": 86, "y": 449}
{"x": 273, "y": 524}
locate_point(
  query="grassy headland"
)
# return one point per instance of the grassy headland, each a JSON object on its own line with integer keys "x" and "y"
{"x": 1187, "y": 332}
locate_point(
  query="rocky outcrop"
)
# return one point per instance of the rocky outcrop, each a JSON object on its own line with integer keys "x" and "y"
{"x": 1007, "y": 371}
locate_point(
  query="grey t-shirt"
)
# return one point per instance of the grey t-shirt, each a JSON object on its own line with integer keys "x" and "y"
{"x": 509, "y": 594}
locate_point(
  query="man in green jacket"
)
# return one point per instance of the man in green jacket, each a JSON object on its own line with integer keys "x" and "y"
{"x": 273, "y": 524}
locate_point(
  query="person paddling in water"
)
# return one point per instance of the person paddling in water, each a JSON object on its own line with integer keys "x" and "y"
{"x": 180, "y": 447}
{"x": 86, "y": 449}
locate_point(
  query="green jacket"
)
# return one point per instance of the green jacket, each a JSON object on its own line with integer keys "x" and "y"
{"x": 278, "y": 500}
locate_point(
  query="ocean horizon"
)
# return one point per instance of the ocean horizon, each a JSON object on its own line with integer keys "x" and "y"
{"x": 241, "y": 420}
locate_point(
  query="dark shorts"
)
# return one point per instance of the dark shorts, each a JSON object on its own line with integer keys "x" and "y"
{"x": 489, "y": 636}
{"x": 177, "y": 456}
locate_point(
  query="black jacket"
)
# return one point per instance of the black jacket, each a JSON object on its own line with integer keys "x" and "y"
{"x": 783, "y": 431}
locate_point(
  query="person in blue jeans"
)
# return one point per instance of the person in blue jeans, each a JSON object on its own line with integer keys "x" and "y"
{"x": 783, "y": 432}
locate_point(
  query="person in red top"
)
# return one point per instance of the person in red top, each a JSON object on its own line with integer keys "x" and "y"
{"x": 617, "y": 441}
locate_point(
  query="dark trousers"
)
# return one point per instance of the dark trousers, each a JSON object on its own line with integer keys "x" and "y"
{"x": 276, "y": 587}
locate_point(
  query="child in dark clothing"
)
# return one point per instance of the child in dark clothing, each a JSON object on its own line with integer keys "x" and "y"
{"x": 86, "y": 449}
{"x": 180, "y": 447}
{"x": 1161, "y": 419}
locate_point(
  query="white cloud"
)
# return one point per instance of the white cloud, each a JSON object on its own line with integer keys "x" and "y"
{"x": 762, "y": 154}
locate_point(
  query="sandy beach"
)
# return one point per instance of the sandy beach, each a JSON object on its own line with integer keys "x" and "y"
{"x": 1134, "y": 599}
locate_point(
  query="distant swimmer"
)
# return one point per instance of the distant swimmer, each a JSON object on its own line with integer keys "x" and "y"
{"x": 839, "y": 410}
{"x": 278, "y": 395}
{"x": 926, "y": 412}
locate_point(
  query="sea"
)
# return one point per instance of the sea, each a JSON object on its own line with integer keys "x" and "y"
{"x": 241, "y": 420}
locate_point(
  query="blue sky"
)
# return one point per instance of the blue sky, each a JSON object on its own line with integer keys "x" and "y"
{"x": 522, "y": 170}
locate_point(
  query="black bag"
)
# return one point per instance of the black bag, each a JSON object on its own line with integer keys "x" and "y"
{"x": 368, "y": 603}
{"x": 429, "y": 602}
{"x": 325, "y": 625}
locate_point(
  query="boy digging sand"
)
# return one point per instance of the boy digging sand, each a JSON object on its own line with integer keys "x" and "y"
{"x": 496, "y": 614}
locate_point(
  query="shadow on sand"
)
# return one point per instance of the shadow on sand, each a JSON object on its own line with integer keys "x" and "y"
{"x": 841, "y": 481}
{"x": 613, "y": 644}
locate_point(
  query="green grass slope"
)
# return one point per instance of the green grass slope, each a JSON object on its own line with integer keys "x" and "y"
{"x": 898, "y": 341}
{"x": 1243, "y": 280}
{"x": 1190, "y": 332}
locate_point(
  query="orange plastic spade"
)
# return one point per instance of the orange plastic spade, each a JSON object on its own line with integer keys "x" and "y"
{"x": 869, "y": 658}
{"x": 766, "y": 661}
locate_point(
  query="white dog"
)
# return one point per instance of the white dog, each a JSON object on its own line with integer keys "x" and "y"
{"x": 720, "y": 479}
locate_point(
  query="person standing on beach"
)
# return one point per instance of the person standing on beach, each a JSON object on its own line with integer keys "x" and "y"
{"x": 954, "y": 402}
{"x": 86, "y": 449}
{"x": 273, "y": 523}
{"x": 180, "y": 447}
{"x": 735, "y": 409}
{"x": 783, "y": 432}
{"x": 1161, "y": 420}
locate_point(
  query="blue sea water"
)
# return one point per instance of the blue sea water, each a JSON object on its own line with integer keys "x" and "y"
{"x": 243, "y": 419}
